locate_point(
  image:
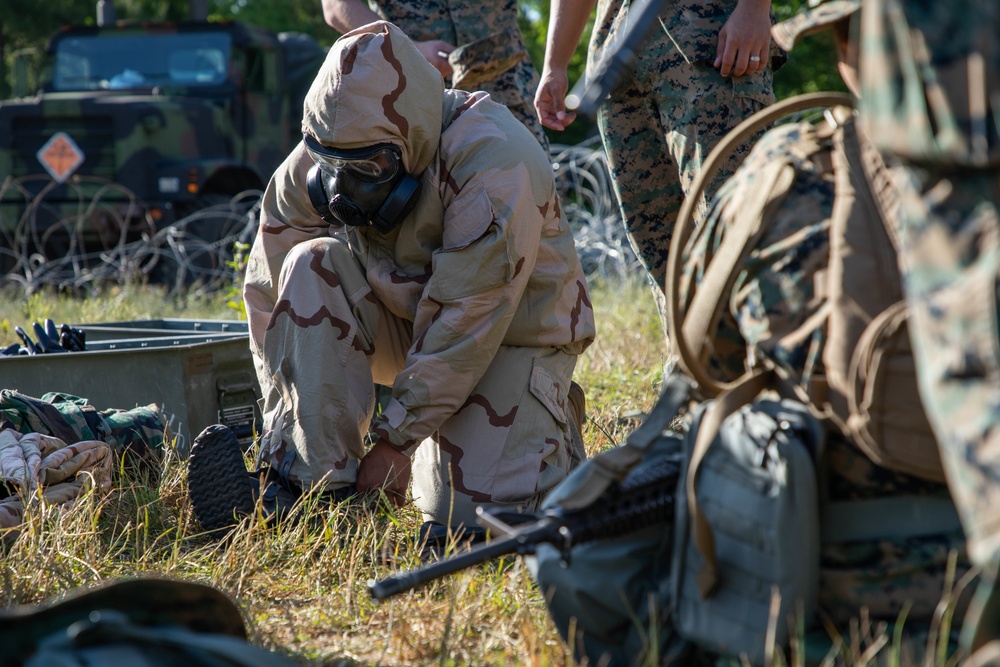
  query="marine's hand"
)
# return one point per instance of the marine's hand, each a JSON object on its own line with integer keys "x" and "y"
{"x": 385, "y": 467}
{"x": 432, "y": 50}
{"x": 745, "y": 39}
{"x": 550, "y": 100}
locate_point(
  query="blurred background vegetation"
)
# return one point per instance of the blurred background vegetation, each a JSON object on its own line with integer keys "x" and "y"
{"x": 27, "y": 25}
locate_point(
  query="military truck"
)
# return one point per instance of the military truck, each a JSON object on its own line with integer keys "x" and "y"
{"x": 136, "y": 125}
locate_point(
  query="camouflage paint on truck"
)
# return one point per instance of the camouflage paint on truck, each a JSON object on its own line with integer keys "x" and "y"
{"x": 154, "y": 121}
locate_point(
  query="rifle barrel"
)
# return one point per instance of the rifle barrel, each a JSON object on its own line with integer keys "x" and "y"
{"x": 644, "y": 498}
{"x": 517, "y": 542}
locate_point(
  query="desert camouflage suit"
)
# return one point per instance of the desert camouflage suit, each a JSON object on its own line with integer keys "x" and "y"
{"x": 462, "y": 22}
{"x": 672, "y": 108}
{"x": 474, "y": 309}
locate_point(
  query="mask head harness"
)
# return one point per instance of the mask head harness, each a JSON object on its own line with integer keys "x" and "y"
{"x": 363, "y": 187}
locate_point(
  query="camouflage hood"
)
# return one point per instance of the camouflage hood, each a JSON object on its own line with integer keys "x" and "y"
{"x": 370, "y": 75}
{"x": 819, "y": 16}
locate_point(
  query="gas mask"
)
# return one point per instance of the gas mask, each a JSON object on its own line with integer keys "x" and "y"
{"x": 364, "y": 187}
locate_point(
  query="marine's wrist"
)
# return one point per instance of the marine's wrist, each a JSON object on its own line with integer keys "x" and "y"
{"x": 392, "y": 437}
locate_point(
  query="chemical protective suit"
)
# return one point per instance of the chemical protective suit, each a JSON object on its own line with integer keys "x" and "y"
{"x": 473, "y": 307}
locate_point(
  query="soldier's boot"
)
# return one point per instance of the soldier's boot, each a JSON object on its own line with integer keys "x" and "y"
{"x": 578, "y": 414}
{"x": 221, "y": 490}
{"x": 278, "y": 497}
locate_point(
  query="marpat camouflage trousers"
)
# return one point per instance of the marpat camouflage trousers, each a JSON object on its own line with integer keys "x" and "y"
{"x": 657, "y": 129}
{"x": 330, "y": 340}
{"x": 951, "y": 266}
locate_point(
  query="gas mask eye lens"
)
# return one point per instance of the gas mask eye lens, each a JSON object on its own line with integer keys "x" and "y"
{"x": 377, "y": 164}
{"x": 377, "y": 168}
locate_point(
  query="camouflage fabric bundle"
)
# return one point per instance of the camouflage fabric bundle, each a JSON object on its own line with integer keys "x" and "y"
{"x": 34, "y": 465}
{"x": 137, "y": 434}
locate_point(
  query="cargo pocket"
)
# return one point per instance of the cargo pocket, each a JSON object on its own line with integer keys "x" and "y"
{"x": 537, "y": 454}
{"x": 753, "y": 92}
{"x": 550, "y": 392}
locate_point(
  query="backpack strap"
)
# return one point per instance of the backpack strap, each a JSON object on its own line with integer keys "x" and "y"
{"x": 688, "y": 340}
{"x": 891, "y": 517}
{"x": 726, "y": 403}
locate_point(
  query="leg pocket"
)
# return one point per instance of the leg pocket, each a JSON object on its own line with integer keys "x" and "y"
{"x": 538, "y": 453}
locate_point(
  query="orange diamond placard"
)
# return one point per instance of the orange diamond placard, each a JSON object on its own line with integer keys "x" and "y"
{"x": 60, "y": 156}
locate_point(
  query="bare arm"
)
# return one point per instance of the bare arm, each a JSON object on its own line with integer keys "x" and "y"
{"x": 346, "y": 15}
{"x": 746, "y": 35}
{"x": 567, "y": 20}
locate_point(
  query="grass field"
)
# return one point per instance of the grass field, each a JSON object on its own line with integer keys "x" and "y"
{"x": 303, "y": 587}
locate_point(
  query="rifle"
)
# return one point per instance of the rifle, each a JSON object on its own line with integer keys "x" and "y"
{"x": 588, "y": 94}
{"x": 644, "y": 498}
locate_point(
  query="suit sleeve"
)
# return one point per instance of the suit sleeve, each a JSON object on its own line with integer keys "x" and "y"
{"x": 490, "y": 243}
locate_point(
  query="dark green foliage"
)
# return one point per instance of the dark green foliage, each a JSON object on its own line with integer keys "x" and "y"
{"x": 285, "y": 16}
{"x": 812, "y": 66}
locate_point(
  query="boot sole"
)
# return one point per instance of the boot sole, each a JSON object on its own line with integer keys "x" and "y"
{"x": 219, "y": 485}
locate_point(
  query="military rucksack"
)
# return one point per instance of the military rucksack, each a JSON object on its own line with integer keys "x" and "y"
{"x": 818, "y": 302}
{"x": 790, "y": 298}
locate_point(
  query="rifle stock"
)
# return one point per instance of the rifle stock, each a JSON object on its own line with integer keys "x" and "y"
{"x": 644, "y": 498}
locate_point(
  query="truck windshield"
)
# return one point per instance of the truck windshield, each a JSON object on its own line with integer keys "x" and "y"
{"x": 129, "y": 61}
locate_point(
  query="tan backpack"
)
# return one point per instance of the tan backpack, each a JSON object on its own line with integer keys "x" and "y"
{"x": 844, "y": 348}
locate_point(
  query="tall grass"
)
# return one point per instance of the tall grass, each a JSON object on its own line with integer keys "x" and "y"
{"x": 303, "y": 586}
